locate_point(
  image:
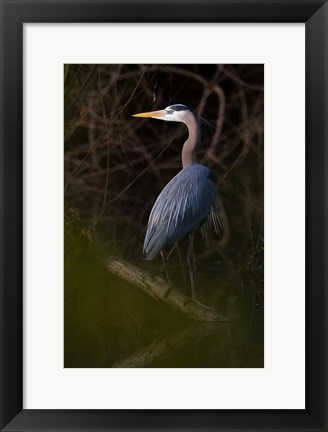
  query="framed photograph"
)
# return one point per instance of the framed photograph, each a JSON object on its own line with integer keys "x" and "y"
{"x": 163, "y": 215}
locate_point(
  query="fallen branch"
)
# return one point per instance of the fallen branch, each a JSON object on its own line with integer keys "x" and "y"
{"x": 160, "y": 290}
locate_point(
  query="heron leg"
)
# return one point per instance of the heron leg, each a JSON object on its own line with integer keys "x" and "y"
{"x": 190, "y": 259}
{"x": 176, "y": 246}
{"x": 181, "y": 262}
{"x": 195, "y": 264}
{"x": 165, "y": 268}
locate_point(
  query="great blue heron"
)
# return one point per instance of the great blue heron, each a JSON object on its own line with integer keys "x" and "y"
{"x": 188, "y": 201}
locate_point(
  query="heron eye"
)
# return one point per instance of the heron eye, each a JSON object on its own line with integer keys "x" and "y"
{"x": 170, "y": 111}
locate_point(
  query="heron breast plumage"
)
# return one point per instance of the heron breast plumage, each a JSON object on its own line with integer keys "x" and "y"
{"x": 180, "y": 208}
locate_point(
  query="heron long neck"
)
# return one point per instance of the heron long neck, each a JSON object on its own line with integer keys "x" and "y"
{"x": 189, "y": 147}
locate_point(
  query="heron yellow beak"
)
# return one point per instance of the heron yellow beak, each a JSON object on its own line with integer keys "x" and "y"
{"x": 153, "y": 114}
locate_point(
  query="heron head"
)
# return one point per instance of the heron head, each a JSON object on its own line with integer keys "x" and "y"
{"x": 173, "y": 113}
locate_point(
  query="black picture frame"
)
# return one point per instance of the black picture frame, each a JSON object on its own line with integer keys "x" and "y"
{"x": 314, "y": 13}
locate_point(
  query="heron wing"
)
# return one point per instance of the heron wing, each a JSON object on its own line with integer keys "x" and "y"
{"x": 213, "y": 220}
{"x": 180, "y": 208}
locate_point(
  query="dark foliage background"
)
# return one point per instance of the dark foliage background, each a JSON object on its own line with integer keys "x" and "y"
{"x": 115, "y": 167}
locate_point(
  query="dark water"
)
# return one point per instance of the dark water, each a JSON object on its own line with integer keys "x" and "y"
{"x": 110, "y": 323}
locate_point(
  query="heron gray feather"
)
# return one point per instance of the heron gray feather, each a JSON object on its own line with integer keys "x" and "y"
{"x": 213, "y": 221}
{"x": 182, "y": 206}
